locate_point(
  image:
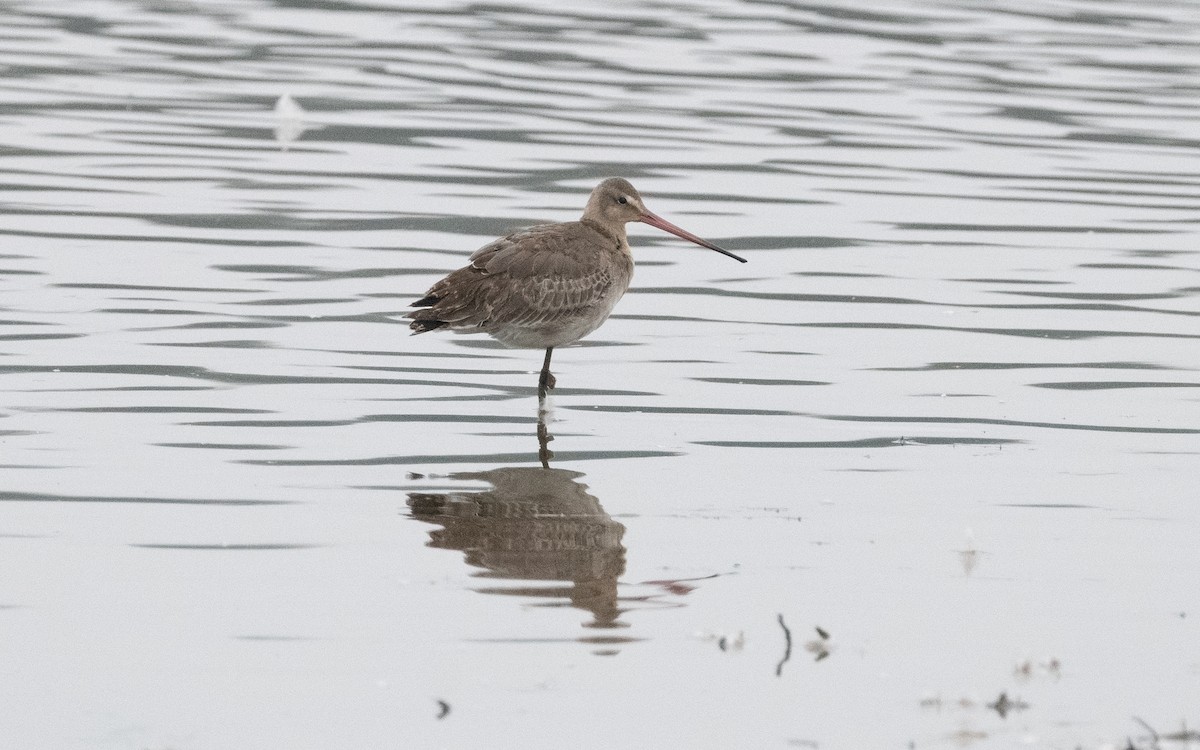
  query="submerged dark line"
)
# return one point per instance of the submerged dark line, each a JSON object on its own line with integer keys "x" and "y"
{"x": 149, "y": 238}
{"x": 879, "y": 442}
{"x": 1059, "y": 334}
{"x": 939, "y": 366}
{"x": 230, "y": 547}
{"x": 46, "y": 497}
{"x": 155, "y": 410}
{"x": 153, "y": 288}
{"x": 1007, "y": 423}
{"x": 214, "y": 376}
{"x": 780, "y": 296}
{"x": 466, "y": 458}
{"x": 683, "y": 410}
{"x": 1084, "y": 385}
{"x": 1058, "y": 506}
{"x": 763, "y": 381}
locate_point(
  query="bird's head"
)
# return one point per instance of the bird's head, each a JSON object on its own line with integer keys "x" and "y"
{"x": 615, "y": 203}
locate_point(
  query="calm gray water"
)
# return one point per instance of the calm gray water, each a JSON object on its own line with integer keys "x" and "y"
{"x": 948, "y": 414}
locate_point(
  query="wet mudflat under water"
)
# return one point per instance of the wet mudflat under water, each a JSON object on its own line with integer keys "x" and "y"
{"x": 922, "y": 474}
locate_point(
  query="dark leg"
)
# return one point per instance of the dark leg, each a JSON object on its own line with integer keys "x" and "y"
{"x": 546, "y": 380}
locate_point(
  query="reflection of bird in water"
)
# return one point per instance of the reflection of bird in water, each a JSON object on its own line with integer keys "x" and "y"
{"x": 549, "y": 285}
{"x": 536, "y": 524}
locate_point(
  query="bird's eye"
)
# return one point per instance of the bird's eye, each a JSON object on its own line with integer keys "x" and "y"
{"x": 622, "y": 200}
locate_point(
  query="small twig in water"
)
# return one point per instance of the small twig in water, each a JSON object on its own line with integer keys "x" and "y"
{"x": 1153, "y": 734}
{"x": 443, "y": 709}
{"x": 787, "y": 646}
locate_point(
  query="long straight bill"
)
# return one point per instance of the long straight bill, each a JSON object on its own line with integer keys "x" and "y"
{"x": 659, "y": 222}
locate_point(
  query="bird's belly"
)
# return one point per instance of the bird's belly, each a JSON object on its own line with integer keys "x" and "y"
{"x": 564, "y": 330}
{"x": 553, "y": 328}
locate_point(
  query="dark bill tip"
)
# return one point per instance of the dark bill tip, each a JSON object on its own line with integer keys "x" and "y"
{"x": 659, "y": 222}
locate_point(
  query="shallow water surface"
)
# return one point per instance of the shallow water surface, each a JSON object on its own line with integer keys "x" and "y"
{"x": 920, "y": 474}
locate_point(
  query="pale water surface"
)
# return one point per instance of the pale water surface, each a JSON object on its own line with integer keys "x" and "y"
{"x": 949, "y": 412}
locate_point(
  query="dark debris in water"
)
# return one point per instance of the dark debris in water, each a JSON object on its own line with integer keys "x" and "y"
{"x": 820, "y": 647}
{"x": 1004, "y": 705}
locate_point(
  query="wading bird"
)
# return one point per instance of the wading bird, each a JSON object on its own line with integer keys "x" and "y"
{"x": 551, "y": 284}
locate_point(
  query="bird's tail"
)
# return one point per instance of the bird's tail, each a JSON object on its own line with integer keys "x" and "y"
{"x": 426, "y": 319}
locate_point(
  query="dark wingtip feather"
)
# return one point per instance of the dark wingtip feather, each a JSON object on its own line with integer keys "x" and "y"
{"x": 426, "y": 301}
{"x": 423, "y": 326}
